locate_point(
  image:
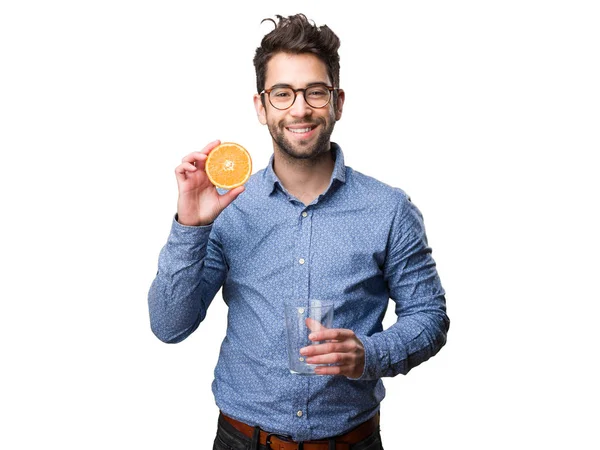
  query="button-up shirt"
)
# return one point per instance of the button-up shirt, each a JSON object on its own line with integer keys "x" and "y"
{"x": 359, "y": 244}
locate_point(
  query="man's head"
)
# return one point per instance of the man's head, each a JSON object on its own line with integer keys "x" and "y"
{"x": 303, "y": 59}
{"x": 295, "y": 35}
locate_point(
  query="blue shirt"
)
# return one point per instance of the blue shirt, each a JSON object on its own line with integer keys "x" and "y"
{"x": 359, "y": 244}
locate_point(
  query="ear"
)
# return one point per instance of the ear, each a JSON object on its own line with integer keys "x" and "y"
{"x": 261, "y": 113}
{"x": 339, "y": 105}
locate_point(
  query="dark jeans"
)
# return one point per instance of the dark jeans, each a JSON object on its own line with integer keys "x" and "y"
{"x": 228, "y": 438}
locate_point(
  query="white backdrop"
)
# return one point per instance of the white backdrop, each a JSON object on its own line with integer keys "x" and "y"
{"x": 486, "y": 113}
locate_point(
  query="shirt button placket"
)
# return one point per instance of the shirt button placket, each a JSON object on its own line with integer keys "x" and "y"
{"x": 302, "y": 263}
{"x": 304, "y": 250}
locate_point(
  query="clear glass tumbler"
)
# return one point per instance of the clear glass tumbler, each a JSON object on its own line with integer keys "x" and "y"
{"x": 302, "y": 317}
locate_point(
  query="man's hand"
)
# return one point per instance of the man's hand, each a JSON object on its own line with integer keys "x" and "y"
{"x": 344, "y": 350}
{"x": 199, "y": 202}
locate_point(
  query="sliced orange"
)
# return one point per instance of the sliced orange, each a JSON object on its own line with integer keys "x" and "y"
{"x": 228, "y": 165}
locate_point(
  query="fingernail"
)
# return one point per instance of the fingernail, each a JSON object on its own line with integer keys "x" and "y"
{"x": 311, "y": 336}
{"x": 303, "y": 351}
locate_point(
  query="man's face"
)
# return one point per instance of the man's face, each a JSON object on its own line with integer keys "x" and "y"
{"x": 300, "y": 131}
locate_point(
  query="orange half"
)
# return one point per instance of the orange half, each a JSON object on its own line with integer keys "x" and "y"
{"x": 228, "y": 165}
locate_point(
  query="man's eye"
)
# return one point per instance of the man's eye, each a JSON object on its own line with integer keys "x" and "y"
{"x": 280, "y": 94}
{"x": 317, "y": 93}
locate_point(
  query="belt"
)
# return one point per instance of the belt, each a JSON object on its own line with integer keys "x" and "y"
{"x": 275, "y": 441}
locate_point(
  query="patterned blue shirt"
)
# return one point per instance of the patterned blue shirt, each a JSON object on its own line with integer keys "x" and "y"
{"x": 359, "y": 244}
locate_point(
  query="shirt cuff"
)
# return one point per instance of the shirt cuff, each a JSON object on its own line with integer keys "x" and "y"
{"x": 188, "y": 241}
{"x": 189, "y": 229}
{"x": 383, "y": 358}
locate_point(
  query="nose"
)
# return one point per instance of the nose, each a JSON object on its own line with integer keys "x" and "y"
{"x": 300, "y": 108}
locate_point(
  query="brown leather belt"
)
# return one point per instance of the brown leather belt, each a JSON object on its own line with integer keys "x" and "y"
{"x": 276, "y": 442}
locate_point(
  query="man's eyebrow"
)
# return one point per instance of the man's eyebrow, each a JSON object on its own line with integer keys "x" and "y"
{"x": 285, "y": 85}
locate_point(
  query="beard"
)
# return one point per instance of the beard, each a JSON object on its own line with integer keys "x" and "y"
{"x": 302, "y": 149}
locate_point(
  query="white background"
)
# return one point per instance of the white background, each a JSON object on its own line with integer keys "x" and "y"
{"x": 486, "y": 113}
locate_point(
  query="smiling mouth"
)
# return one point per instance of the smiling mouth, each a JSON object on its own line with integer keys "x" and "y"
{"x": 302, "y": 130}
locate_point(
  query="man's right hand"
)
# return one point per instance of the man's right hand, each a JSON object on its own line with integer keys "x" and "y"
{"x": 199, "y": 202}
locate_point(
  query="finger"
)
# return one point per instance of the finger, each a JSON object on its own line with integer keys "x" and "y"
{"x": 196, "y": 158}
{"x": 185, "y": 167}
{"x": 182, "y": 169}
{"x": 327, "y": 334}
{"x": 330, "y": 358}
{"x": 349, "y": 370}
{"x": 210, "y": 146}
{"x": 229, "y": 196}
{"x": 206, "y": 150}
{"x": 328, "y": 347}
{"x": 314, "y": 325}
{"x": 333, "y": 370}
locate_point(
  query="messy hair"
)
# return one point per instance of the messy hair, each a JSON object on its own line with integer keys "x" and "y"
{"x": 295, "y": 35}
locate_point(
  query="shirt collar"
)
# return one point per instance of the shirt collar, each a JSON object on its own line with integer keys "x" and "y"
{"x": 270, "y": 179}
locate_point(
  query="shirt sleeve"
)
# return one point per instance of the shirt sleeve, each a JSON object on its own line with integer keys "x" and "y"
{"x": 414, "y": 285}
{"x": 191, "y": 270}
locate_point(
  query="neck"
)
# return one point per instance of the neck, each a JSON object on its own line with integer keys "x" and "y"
{"x": 305, "y": 179}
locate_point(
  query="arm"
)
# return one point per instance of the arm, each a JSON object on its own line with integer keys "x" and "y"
{"x": 191, "y": 270}
{"x": 422, "y": 324}
{"x": 191, "y": 266}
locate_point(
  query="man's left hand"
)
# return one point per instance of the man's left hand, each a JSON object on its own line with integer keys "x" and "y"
{"x": 344, "y": 350}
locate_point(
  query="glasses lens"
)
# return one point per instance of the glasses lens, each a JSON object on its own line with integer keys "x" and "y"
{"x": 317, "y": 96}
{"x": 282, "y": 98}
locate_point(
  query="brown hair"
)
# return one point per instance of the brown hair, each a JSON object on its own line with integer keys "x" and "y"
{"x": 295, "y": 34}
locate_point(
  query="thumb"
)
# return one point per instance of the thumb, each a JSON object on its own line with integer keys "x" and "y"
{"x": 230, "y": 196}
{"x": 314, "y": 325}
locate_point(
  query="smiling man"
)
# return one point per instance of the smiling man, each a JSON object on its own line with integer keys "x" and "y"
{"x": 300, "y": 129}
{"x": 300, "y": 108}
{"x": 305, "y": 227}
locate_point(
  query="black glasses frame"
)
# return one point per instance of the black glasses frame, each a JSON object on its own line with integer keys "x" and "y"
{"x": 268, "y": 92}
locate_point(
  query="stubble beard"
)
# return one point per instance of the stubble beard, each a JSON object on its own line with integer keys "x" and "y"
{"x": 301, "y": 150}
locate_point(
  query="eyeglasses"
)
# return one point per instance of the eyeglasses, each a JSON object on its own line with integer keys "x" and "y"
{"x": 316, "y": 96}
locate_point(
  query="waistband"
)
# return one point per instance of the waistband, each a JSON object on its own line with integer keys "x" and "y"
{"x": 274, "y": 441}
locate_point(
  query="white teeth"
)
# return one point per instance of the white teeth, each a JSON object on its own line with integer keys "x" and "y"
{"x": 300, "y": 130}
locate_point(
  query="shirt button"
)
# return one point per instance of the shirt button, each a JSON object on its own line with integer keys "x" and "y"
{"x": 304, "y": 214}
{"x": 301, "y": 261}
{"x": 299, "y": 413}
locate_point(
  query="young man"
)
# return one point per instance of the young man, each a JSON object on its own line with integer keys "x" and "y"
{"x": 306, "y": 227}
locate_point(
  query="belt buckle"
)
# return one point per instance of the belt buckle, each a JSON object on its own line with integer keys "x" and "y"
{"x": 283, "y": 438}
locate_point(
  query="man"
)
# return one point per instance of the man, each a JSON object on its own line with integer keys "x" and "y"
{"x": 305, "y": 227}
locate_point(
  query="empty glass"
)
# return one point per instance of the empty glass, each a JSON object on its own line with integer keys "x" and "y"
{"x": 303, "y": 317}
